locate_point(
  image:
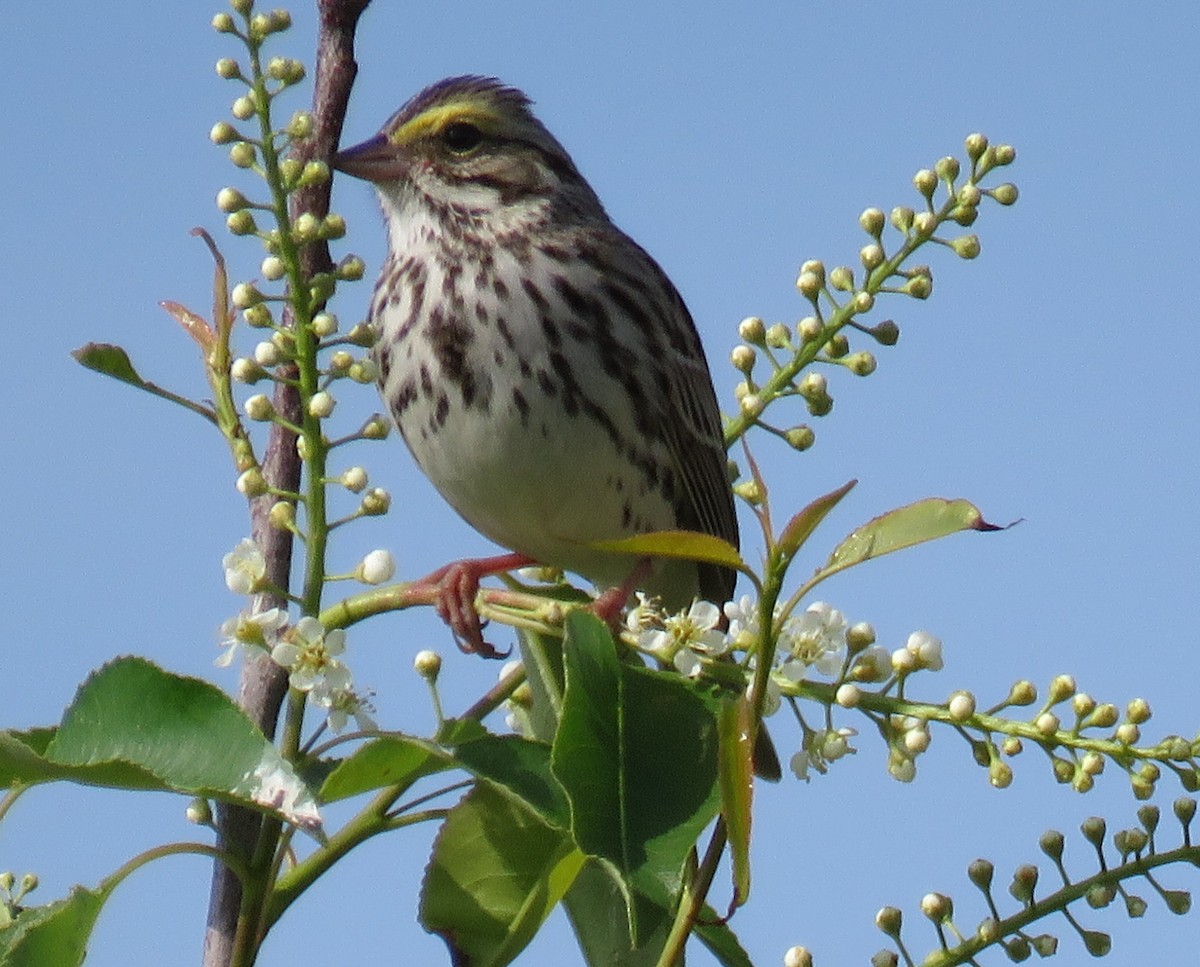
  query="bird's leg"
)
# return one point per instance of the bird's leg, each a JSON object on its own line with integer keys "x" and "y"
{"x": 608, "y": 606}
{"x": 457, "y": 585}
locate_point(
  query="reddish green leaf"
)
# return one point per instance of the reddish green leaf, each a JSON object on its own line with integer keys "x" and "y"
{"x": 801, "y": 526}
{"x": 926, "y": 520}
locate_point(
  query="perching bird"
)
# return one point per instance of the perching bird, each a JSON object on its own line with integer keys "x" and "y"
{"x": 541, "y": 367}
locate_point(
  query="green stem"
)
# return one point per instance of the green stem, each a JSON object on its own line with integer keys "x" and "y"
{"x": 694, "y": 899}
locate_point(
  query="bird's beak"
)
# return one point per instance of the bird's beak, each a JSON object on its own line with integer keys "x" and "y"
{"x": 374, "y": 160}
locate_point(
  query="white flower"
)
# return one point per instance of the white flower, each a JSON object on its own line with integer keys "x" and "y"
{"x": 821, "y": 748}
{"x": 253, "y": 634}
{"x": 344, "y": 704}
{"x": 743, "y": 622}
{"x": 309, "y": 654}
{"x": 814, "y": 639}
{"x": 245, "y": 567}
{"x": 644, "y": 615}
{"x": 376, "y": 567}
{"x": 694, "y": 629}
{"x": 926, "y": 649}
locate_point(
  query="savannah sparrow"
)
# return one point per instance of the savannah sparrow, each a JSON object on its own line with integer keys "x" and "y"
{"x": 541, "y": 367}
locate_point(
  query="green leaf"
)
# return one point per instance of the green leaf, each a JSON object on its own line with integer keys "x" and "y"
{"x": 734, "y": 721}
{"x": 687, "y": 545}
{"x": 391, "y": 761}
{"x": 801, "y": 526}
{"x": 110, "y": 360}
{"x": 721, "y": 941}
{"x": 496, "y": 872}
{"x": 926, "y": 520}
{"x": 55, "y": 934}
{"x": 636, "y": 752}
{"x": 597, "y": 904}
{"x": 134, "y": 726}
{"x": 522, "y": 767}
{"x": 114, "y": 361}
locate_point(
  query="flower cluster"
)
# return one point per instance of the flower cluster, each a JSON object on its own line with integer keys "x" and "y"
{"x": 817, "y": 644}
{"x": 310, "y": 652}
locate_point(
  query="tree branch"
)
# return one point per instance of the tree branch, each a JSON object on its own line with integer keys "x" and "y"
{"x": 263, "y": 684}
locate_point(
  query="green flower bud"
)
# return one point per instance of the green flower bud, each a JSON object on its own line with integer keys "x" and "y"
{"x": 863, "y": 302}
{"x": 861, "y": 363}
{"x": 258, "y": 317}
{"x": 258, "y": 407}
{"x": 244, "y": 294}
{"x": 241, "y": 223}
{"x": 222, "y": 133}
{"x": 749, "y": 491}
{"x": 779, "y": 336}
{"x": 228, "y": 68}
{"x": 282, "y": 515}
{"x": 969, "y": 195}
{"x": 427, "y": 664}
{"x": 1051, "y": 843}
{"x": 889, "y": 920}
{"x": 924, "y": 224}
{"x": 937, "y": 907}
{"x": 324, "y": 325}
{"x": 1061, "y": 688}
{"x": 272, "y": 268}
{"x": 243, "y": 154}
{"x": 289, "y": 170}
{"x": 961, "y": 706}
{"x": 354, "y": 479}
{"x": 306, "y": 228}
{"x": 1138, "y": 711}
{"x": 902, "y": 218}
{"x": 752, "y": 330}
{"x": 742, "y": 357}
{"x": 1004, "y": 154}
{"x": 1023, "y": 692}
{"x": 321, "y": 405}
{"x": 243, "y": 108}
{"x": 351, "y": 268}
{"x": 364, "y": 334}
{"x": 966, "y": 246}
{"x": 251, "y": 483}
{"x": 976, "y": 145}
{"x": 1024, "y": 882}
{"x": 947, "y": 168}
{"x": 872, "y": 221}
{"x": 838, "y": 346}
{"x": 1000, "y": 774}
{"x": 809, "y": 328}
{"x": 222, "y": 23}
{"x": 925, "y": 181}
{"x": 871, "y": 256}
{"x": 231, "y": 200}
{"x": 376, "y": 501}
{"x": 300, "y": 127}
{"x": 842, "y": 278}
{"x": 816, "y": 267}
{"x": 1006, "y": 194}
{"x": 800, "y": 437}
{"x": 376, "y": 428}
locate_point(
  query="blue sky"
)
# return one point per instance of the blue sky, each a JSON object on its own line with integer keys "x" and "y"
{"x": 1052, "y": 379}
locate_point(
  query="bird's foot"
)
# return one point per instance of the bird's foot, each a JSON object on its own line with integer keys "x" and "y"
{"x": 609, "y": 605}
{"x": 456, "y": 586}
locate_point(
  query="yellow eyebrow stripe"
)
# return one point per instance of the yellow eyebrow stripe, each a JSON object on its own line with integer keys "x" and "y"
{"x": 437, "y": 118}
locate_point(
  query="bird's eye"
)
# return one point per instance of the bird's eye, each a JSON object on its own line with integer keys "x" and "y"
{"x": 462, "y": 137}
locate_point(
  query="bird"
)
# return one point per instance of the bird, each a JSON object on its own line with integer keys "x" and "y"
{"x": 541, "y": 367}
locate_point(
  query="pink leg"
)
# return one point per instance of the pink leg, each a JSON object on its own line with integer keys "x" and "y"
{"x": 457, "y": 586}
{"x": 608, "y": 606}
